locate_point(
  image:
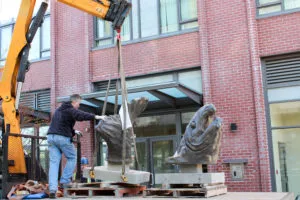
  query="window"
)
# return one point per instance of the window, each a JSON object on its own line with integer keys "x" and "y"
{"x": 40, "y": 46}
{"x": 150, "y": 18}
{"x": 5, "y": 38}
{"x": 276, "y": 6}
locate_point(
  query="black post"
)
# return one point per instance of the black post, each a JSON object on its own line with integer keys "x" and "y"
{"x": 78, "y": 173}
{"x": 33, "y": 159}
{"x": 5, "y": 175}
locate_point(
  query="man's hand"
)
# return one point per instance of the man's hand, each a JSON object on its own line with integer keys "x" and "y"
{"x": 78, "y": 133}
{"x": 98, "y": 117}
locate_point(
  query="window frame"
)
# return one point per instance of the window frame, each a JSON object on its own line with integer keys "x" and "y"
{"x": 140, "y": 38}
{"x": 275, "y": 3}
{"x": 41, "y": 51}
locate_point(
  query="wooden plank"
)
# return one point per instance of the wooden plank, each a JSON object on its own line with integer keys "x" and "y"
{"x": 111, "y": 190}
{"x": 208, "y": 191}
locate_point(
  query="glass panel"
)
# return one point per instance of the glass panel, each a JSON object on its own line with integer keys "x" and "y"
{"x": 46, "y": 54}
{"x": 173, "y": 92}
{"x": 111, "y": 99}
{"x": 104, "y": 28}
{"x": 291, "y": 4}
{"x": 2, "y": 63}
{"x": 169, "y": 16}
{"x": 135, "y": 19}
{"x": 285, "y": 114}
{"x": 149, "y": 81}
{"x": 125, "y": 34}
{"x": 192, "y": 80}
{"x": 261, "y": 2}
{"x": 286, "y": 160}
{"x": 27, "y": 141}
{"x": 46, "y": 34}
{"x": 188, "y": 9}
{"x": 150, "y": 97}
{"x": 35, "y": 47}
{"x": 185, "y": 119}
{"x": 155, "y": 126}
{"x": 44, "y": 153}
{"x": 6, "y": 34}
{"x": 284, "y": 94}
{"x": 149, "y": 18}
{"x": 161, "y": 151}
{"x": 270, "y": 9}
{"x": 104, "y": 42}
{"x": 142, "y": 157}
{"x": 189, "y": 25}
{"x": 104, "y": 154}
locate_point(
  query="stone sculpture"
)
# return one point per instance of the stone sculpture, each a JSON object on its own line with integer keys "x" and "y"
{"x": 201, "y": 141}
{"x": 110, "y": 129}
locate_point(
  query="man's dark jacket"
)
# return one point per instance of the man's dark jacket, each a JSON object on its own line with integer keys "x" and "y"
{"x": 64, "y": 119}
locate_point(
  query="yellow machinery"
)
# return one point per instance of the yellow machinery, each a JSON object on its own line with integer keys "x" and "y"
{"x": 16, "y": 66}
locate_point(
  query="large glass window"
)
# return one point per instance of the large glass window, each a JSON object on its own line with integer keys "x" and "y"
{"x": 155, "y": 126}
{"x": 40, "y": 46}
{"x": 5, "y": 38}
{"x": 150, "y": 18}
{"x": 275, "y": 6}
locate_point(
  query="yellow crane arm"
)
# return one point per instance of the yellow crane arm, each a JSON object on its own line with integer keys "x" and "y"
{"x": 16, "y": 66}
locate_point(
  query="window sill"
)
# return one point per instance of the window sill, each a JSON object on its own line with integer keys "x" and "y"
{"x": 275, "y": 14}
{"x": 156, "y": 37}
{"x": 39, "y": 60}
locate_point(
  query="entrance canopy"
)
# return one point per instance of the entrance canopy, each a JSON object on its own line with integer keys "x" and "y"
{"x": 162, "y": 92}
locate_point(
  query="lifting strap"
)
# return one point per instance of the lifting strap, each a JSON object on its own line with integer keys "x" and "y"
{"x": 124, "y": 106}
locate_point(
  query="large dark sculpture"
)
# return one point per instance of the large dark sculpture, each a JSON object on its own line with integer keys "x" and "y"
{"x": 201, "y": 141}
{"x": 110, "y": 129}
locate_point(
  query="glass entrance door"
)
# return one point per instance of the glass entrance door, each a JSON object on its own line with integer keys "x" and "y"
{"x": 152, "y": 153}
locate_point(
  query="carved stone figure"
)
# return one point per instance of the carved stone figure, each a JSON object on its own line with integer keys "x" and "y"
{"x": 110, "y": 129}
{"x": 201, "y": 141}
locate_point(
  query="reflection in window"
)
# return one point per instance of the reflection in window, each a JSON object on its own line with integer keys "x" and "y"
{"x": 185, "y": 119}
{"x": 40, "y": 46}
{"x": 285, "y": 114}
{"x": 286, "y": 159}
{"x": 43, "y": 145}
{"x": 191, "y": 79}
{"x": 188, "y": 14}
{"x": 150, "y": 18}
{"x": 5, "y": 34}
{"x": 169, "y": 16}
{"x": 155, "y": 126}
{"x": 275, "y": 6}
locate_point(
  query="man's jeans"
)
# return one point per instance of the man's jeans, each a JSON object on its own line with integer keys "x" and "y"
{"x": 57, "y": 145}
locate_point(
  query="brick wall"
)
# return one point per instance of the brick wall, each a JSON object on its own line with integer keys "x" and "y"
{"x": 228, "y": 27}
{"x": 39, "y": 76}
{"x": 279, "y": 34}
{"x": 170, "y": 53}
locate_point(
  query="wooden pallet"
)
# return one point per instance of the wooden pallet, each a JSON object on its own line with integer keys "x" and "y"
{"x": 205, "y": 191}
{"x": 104, "y": 190}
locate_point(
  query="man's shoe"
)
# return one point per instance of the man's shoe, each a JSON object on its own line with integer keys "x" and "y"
{"x": 52, "y": 196}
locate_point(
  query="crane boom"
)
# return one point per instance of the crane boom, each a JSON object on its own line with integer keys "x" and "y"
{"x": 16, "y": 66}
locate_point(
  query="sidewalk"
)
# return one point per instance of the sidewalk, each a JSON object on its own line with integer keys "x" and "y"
{"x": 228, "y": 196}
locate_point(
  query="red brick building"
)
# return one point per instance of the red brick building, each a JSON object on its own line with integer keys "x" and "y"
{"x": 242, "y": 56}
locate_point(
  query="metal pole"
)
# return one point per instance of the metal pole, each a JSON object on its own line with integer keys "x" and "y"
{"x": 78, "y": 173}
{"x": 5, "y": 134}
{"x": 33, "y": 159}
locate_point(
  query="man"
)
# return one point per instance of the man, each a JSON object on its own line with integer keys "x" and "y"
{"x": 59, "y": 138}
